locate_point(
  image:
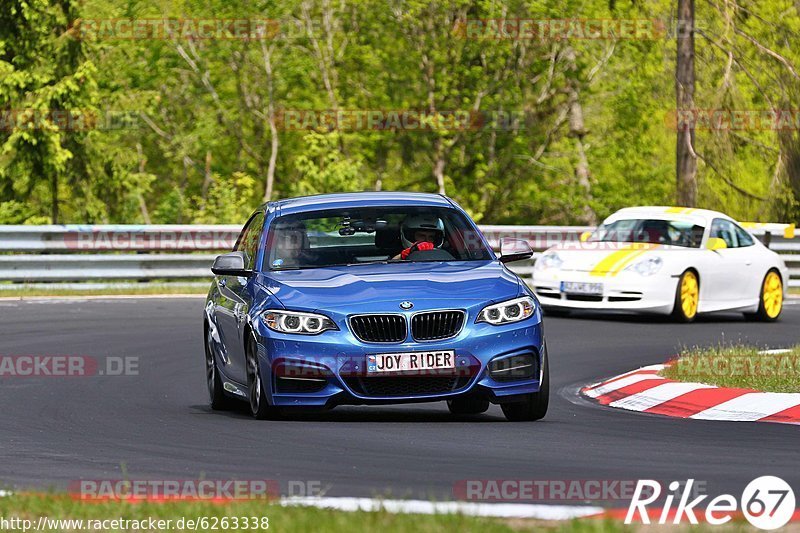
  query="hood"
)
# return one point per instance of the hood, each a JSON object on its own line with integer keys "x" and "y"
{"x": 371, "y": 287}
{"x": 604, "y": 257}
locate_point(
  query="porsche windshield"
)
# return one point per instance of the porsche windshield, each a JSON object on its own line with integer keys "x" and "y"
{"x": 655, "y": 231}
{"x": 375, "y": 234}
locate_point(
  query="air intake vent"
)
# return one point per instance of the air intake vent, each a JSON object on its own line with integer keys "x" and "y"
{"x": 436, "y": 325}
{"x": 379, "y": 328}
{"x": 515, "y": 368}
{"x": 406, "y": 386}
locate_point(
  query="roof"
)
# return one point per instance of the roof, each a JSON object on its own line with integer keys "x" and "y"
{"x": 669, "y": 212}
{"x": 360, "y": 199}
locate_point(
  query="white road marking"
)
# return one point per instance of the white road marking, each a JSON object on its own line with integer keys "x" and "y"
{"x": 496, "y": 510}
{"x": 97, "y": 297}
{"x": 657, "y": 395}
{"x": 651, "y": 367}
{"x": 618, "y": 384}
{"x": 750, "y": 407}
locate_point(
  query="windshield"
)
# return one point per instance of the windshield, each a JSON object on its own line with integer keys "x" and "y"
{"x": 655, "y": 231}
{"x": 368, "y": 235}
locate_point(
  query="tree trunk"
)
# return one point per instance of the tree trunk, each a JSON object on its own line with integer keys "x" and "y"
{"x": 686, "y": 160}
{"x": 577, "y": 130}
{"x": 208, "y": 177}
{"x": 139, "y": 195}
{"x": 273, "y": 128}
{"x": 438, "y": 165}
{"x": 54, "y": 198}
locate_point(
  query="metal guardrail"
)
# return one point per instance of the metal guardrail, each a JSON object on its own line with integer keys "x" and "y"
{"x": 168, "y": 252}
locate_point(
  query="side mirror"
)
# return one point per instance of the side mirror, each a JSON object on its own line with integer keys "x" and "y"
{"x": 585, "y": 236}
{"x": 514, "y": 250}
{"x": 231, "y": 264}
{"x": 715, "y": 243}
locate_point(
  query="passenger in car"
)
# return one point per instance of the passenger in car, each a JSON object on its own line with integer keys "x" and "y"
{"x": 291, "y": 246}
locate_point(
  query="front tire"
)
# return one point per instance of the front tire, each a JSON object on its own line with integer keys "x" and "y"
{"x": 687, "y": 297}
{"x": 534, "y": 406}
{"x": 770, "y": 300}
{"x": 256, "y": 393}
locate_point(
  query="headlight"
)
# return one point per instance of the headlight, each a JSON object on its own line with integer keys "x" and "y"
{"x": 507, "y": 312}
{"x": 548, "y": 260}
{"x": 297, "y": 322}
{"x": 646, "y": 267}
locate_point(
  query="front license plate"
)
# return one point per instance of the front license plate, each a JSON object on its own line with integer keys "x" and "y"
{"x": 411, "y": 361}
{"x": 581, "y": 287}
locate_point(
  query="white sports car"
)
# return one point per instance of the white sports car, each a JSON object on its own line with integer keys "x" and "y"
{"x": 667, "y": 260}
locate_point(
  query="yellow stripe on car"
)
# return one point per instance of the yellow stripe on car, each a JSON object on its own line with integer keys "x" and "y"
{"x": 681, "y": 210}
{"x": 613, "y": 263}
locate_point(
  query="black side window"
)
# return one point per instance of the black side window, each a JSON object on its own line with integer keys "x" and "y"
{"x": 725, "y": 230}
{"x": 745, "y": 239}
{"x": 250, "y": 238}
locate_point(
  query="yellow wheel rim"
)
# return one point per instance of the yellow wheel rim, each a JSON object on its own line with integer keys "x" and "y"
{"x": 772, "y": 295}
{"x": 690, "y": 294}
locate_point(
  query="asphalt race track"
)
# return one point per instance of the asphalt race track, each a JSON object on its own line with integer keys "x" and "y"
{"x": 156, "y": 425}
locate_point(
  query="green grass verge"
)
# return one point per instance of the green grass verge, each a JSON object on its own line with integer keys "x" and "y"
{"x": 738, "y": 366}
{"x": 283, "y": 519}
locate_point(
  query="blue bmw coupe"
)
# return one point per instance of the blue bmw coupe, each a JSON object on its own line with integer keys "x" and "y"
{"x": 372, "y": 298}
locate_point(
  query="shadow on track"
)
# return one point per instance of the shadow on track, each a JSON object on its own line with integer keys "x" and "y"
{"x": 633, "y": 318}
{"x": 369, "y": 414}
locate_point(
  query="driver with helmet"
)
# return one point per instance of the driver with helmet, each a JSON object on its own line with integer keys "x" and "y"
{"x": 420, "y": 233}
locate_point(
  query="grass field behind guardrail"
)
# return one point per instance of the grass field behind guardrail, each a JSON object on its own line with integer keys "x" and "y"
{"x": 738, "y": 366}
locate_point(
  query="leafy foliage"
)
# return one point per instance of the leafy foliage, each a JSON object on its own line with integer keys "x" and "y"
{"x": 583, "y": 129}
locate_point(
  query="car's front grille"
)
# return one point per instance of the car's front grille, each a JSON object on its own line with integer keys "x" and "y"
{"x": 435, "y": 325}
{"x": 379, "y": 328}
{"x": 395, "y": 386}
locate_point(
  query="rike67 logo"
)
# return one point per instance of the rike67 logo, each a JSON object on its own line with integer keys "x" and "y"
{"x": 767, "y": 502}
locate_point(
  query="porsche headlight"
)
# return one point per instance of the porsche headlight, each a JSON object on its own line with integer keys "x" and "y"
{"x": 507, "y": 312}
{"x": 646, "y": 267}
{"x": 547, "y": 261}
{"x": 297, "y": 322}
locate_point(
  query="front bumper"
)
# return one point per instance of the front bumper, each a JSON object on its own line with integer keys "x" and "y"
{"x": 623, "y": 292}
{"x": 330, "y": 369}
